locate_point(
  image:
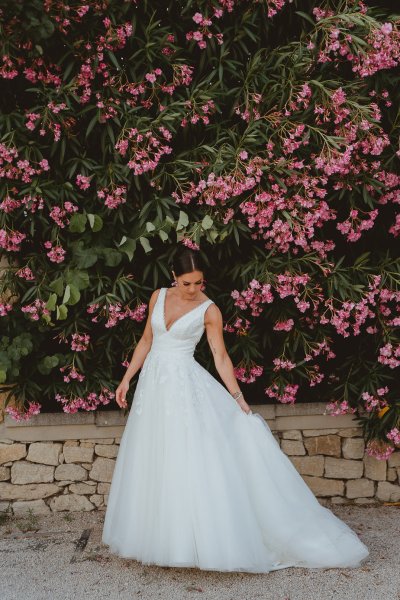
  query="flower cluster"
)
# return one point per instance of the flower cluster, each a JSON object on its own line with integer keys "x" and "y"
{"x": 354, "y": 225}
{"x": 113, "y": 197}
{"x": 390, "y": 355}
{"x": 248, "y": 375}
{"x": 239, "y": 326}
{"x": 29, "y": 202}
{"x": 286, "y": 396}
{"x": 12, "y": 167}
{"x": 48, "y": 121}
{"x": 5, "y": 309}
{"x": 254, "y": 297}
{"x": 286, "y": 325}
{"x": 394, "y": 436}
{"x": 36, "y": 310}
{"x": 56, "y": 253}
{"x": 283, "y": 364}
{"x": 203, "y": 32}
{"x": 83, "y": 182}
{"x": 379, "y": 449}
{"x": 375, "y": 402}
{"x": 11, "y": 240}
{"x": 336, "y": 408}
{"x": 61, "y": 215}
{"x": 73, "y": 374}
{"x": 25, "y": 273}
{"x": 198, "y": 113}
{"x": 189, "y": 243}
{"x": 80, "y": 342}
{"x": 382, "y": 46}
{"x": 92, "y": 401}
{"x": 145, "y": 149}
{"x": 19, "y": 414}
{"x": 115, "y": 313}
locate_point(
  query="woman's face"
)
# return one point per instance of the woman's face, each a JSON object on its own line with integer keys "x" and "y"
{"x": 189, "y": 284}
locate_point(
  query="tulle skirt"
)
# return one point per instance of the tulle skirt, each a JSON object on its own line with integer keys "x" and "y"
{"x": 199, "y": 483}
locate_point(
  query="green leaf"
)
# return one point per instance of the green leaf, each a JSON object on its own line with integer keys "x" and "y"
{"x": 77, "y": 223}
{"x": 145, "y": 244}
{"x": 80, "y": 279}
{"x": 51, "y": 302}
{"x": 67, "y": 294}
{"x": 150, "y": 226}
{"x": 62, "y": 312}
{"x": 57, "y": 286}
{"x": 207, "y": 222}
{"x": 128, "y": 246}
{"x": 305, "y": 16}
{"x": 71, "y": 295}
{"x": 84, "y": 257}
{"x": 112, "y": 257}
{"x": 113, "y": 59}
{"x": 92, "y": 123}
{"x": 183, "y": 220}
{"x": 95, "y": 222}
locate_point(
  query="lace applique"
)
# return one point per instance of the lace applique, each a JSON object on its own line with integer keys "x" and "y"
{"x": 138, "y": 401}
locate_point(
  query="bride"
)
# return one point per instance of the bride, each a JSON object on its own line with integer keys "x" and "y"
{"x": 200, "y": 480}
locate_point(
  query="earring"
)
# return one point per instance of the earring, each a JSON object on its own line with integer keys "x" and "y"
{"x": 174, "y": 283}
{"x": 203, "y": 285}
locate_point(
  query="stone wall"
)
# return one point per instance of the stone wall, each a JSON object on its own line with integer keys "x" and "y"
{"x": 61, "y": 462}
{"x": 334, "y": 465}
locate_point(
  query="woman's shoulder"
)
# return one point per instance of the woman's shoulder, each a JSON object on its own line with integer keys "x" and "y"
{"x": 154, "y": 295}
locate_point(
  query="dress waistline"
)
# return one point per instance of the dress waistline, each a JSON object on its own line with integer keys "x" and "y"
{"x": 164, "y": 350}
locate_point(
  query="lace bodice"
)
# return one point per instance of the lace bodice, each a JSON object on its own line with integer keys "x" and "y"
{"x": 184, "y": 333}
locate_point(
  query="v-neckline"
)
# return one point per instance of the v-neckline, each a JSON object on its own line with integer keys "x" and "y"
{"x": 181, "y": 317}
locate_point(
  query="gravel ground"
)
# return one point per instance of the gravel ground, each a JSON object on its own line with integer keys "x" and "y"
{"x": 60, "y": 557}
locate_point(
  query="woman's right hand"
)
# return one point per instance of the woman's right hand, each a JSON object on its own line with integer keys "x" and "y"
{"x": 244, "y": 406}
{"x": 120, "y": 394}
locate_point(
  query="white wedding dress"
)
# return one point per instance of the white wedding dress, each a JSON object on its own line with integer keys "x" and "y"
{"x": 199, "y": 483}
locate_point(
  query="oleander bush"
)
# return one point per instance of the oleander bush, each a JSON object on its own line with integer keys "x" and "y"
{"x": 264, "y": 134}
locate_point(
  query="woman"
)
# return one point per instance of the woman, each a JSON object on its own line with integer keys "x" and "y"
{"x": 200, "y": 481}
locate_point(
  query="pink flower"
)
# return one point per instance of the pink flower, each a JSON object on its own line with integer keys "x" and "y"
{"x": 197, "y": 18}
{"x": 83, "y": 182}
{"x": 387, "y": 28}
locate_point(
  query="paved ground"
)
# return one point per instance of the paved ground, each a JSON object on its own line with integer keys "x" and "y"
{"x": 60, "y": 557}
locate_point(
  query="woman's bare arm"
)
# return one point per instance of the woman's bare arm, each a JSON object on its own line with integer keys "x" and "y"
{"x": 214, "y": 329}
{"x": 138, "y": 357}
{"x": 144, "y": 344}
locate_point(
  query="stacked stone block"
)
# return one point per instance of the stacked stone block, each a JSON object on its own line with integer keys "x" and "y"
{"x": 334, "y": 465}
{"x": 54, "y": 476}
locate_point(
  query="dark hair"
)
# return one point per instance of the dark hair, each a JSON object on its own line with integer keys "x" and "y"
{"x": 186, "y": 260}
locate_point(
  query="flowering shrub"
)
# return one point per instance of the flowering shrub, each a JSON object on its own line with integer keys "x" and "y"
{"x": 259, "y": 132}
